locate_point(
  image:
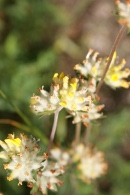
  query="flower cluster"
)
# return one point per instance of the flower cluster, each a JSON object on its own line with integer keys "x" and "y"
{"x": 94, "y": 67}
{"x": 47, "y": 177}
{"x": 116, "y": 77}
{"x": 24, "y": 163}
{"x": 59, "y": 155}
{"x": 123, "y": 12}
{"x": 48, "y": 103}
{"x": 65, "y": 92}
{"x": 73, "y": 94}
{"x": 87, "y": 117}
{"x": 91, "y": 162}
{"x": 91, "y": 66}
{"x": 76, "y": 95}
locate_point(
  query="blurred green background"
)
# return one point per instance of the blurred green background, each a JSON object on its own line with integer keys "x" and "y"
{"x": 39, "y": 38}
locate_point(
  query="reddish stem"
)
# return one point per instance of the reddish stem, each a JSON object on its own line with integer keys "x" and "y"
{"x": 117, "y": 40}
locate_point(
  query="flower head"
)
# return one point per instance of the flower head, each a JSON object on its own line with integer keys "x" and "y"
{"x": 123, "y": 12}
{"x": 91, "y": 162}
{"x": 47, "y": 103}
{"x": 62, "y": 157}
{"x": 10, "y": 146}
{"x": 87, "y": 117}
{"x": 47, "y": 177}
{"x": 92, "y": 69}
{"x": 21, "y": 156}
{"x": 69, "y": 93}
{"x": 24, "y": 163}
{"x": 116, "y": 75}
{"x": 74, "y": 95}
{"x": 91, "y": 66}
{"x": 92, "y": 166}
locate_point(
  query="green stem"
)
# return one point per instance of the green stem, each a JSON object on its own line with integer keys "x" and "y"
{"x": 25, "y": 119}
{"x": 117, "y": 40}
{"x": 15, "y": 124}
{"x": 18, "y": 125}
{"x": 87, "y": 134}
{"x": 77, "y": 133}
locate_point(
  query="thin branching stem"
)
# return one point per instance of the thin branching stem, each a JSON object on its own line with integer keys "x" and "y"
{"x": 15, "y": 124}
{"x": 56, "y": 114}
{"x": 17, "y": 110}
{"x": 117, "y": 40}
{"x": 25, "y": 128}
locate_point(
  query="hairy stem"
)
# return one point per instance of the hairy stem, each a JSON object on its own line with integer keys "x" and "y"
{"x": 117, "y": 40}
{"x": 53, "y": 129}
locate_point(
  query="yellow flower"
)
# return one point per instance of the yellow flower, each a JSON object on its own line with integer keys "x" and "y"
{"x": 70, "y": 93}
{"x": 57, "y": 79}
{"x": 93, "y": 68}
{"x": 116, "y": 75}
{"x": 11, "y": 146}
{"x": 73, "y": 95}
{"x": 11, "y": 141}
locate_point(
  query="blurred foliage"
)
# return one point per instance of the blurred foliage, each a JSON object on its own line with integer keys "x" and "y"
{"x": 27, "y": 57}
{"x": 35, "y": 38}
